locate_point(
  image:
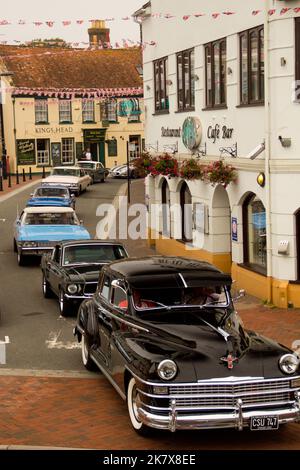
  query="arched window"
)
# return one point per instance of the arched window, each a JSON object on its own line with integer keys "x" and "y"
{"x": 186, "y": 213}
{"x": 255, "y": 238}
{"x": 166, "y": 213}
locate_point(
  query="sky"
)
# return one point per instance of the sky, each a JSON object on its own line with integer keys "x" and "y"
{"x": 63, "y": 10}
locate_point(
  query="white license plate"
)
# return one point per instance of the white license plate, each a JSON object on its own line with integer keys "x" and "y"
{"x": 264, "y": 423}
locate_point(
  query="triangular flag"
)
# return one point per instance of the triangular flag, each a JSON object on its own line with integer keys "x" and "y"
{"x": 215, "y": 15}
{"x": 271, "y": 12}
{"x": 283, "y": 11}
{"x": 256, "y": 12}
{"x": 186, "y": 17}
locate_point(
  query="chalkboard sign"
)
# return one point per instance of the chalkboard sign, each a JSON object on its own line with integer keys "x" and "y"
{"x": 56, "y": 153}
{"x": 79, "y": 150}
{"x": 26, "y": 152}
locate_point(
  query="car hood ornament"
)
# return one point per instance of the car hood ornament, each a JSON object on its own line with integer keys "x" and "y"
{"x": 230, "y": 360}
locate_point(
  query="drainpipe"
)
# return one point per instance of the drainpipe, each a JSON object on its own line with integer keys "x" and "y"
{"x": 268, "y": 150}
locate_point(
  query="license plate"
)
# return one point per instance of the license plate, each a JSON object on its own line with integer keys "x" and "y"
{"x": 264, "y": 423}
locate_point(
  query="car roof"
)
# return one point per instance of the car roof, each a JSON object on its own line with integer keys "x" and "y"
{"x": 167, "y": 271}
{"x": 43, "y": 209}
{"x": 90, "y": 242}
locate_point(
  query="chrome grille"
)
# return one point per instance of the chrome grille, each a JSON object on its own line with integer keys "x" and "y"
{"x": 46, "y": 244}
{"x": 225, "y": 395}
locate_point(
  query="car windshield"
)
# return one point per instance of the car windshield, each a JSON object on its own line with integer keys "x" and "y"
{"x": 65, "y": 172}
{"x": 210, "y": 296}
{"x": 92, "y": 254}
{"x": 50, "y": 218}
{"x": 86, "y": 165}
{"x": 51, "y": 192}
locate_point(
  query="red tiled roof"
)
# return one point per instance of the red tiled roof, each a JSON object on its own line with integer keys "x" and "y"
{"x": 49, "y": 68}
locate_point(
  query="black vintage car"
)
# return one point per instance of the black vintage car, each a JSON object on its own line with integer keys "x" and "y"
{"x": 72, "y": 270}
{"x": 165, "y": 333}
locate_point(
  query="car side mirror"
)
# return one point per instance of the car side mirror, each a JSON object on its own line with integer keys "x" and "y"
{"x": 31, "y": 194}
{"x": 72, "y": 195}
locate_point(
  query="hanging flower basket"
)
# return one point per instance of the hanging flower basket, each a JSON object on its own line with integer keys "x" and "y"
{"x": 143, "y": 164}
{"x": 220, "y": 173}
{"x": 165, "y": 165}
{"x": 191, "y": 170}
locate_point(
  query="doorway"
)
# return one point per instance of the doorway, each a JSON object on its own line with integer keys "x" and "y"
{"x": 94, "y": 147}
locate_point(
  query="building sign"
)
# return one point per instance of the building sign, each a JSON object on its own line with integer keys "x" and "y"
{"x": 218, "y": 132}
{"x": 94, "y": 135}
{"x": 234, "y": 229}
{"x": 192, "y": 133}
{"x": 26, "y": 152}
{"x": 54, "y": 130}
{"x": 56, "y": 153}
{"x": 166, "y": 132}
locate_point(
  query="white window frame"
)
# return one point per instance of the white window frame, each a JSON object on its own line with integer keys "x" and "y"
{"x": 41, "y": 110}
{"x": 67, "y": 151}
{"x": 88, "y": 110}
{"x": 65, "y": 111}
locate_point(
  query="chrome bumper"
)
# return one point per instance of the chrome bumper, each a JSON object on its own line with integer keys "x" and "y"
{"x": 238, "y": 418}
{"x": 78, "y": 297}
{"x": 38, "y": 251}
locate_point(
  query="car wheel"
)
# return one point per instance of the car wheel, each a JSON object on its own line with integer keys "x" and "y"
{"x": 47, "y": 292}
{"x": 132, "y": 397}
{"x": 21, "y": 259}
{"x": 85, "y": 354}
{"x": 64, "y": 304}
{"x": 15, "y": 247}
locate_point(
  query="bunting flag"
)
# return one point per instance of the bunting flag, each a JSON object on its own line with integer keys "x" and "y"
{"x": 256, "y": 12}
{"x": 66, "y": 23}
{"x": 79, "y": 22}
{"x": 271, "y": 12}
{"x": 215, "y": 15}
{"x": 37, "y": 23}
{"x": 228, "y": 13}
{"x": 283, "y": 11}
{"x": 21, "y": 22}
{"x": 186, "y": 17}
{"x": 50, "y": 24}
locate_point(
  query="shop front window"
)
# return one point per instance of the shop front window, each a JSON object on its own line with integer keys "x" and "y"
{"x": 255, "y": 237}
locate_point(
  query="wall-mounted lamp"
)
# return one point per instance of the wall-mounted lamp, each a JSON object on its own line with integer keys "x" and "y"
{"x": 285, "y": 141}
{"x": 229, "y": 71}
{"x": 283, "y": 61}
{"x": 261, "y": 180}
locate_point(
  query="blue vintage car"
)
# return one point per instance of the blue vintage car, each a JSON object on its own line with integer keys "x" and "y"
{"x": 38, "y": 229}
{"x": 50, "y": 195}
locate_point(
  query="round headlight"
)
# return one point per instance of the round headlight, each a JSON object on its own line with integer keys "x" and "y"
{"x": 167, "y": 369}
{"x": 72, "y": 289}
{"x": 289, "y": 363}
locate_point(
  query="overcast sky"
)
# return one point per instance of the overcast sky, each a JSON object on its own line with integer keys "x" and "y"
{"x": 61, "y": 10}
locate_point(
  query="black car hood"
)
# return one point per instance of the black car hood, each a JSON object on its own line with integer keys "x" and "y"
{"x": 202, "y": 353}
{"x": 83, "y": 273}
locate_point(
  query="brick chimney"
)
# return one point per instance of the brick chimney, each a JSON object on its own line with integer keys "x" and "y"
{"x": 99, "y": 35}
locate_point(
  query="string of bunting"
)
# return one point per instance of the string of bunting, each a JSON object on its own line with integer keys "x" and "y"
{"x": 72, "y": 93}
{"x": 168, "y": 16}
{"x": 124, "y": 44}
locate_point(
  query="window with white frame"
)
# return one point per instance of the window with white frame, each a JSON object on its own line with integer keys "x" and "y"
{"x": 67, "y": 155}
{"x": 43, "y": 153}
{"x": 111, "y": 110}
{"x": 88, "y": 110}
{"x": 65, "y": 111}
{"x": 135, "y": 111}
{"x": 41, "y": 111}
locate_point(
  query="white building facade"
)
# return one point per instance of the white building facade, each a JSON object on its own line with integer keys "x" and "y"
{"x": 233, "y": 69}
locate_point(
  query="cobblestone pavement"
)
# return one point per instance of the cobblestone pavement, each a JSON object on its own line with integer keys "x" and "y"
{"x": 86, "y": 412}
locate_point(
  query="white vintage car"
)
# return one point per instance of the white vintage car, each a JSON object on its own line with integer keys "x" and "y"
{"x": 73, "y": 177}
